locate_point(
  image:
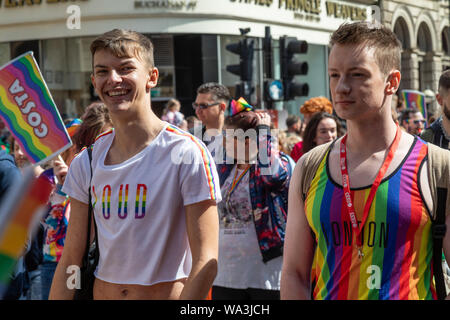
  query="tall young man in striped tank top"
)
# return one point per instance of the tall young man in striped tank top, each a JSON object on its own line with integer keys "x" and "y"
{"x": 364, "y": 228}
{"x": 154, "y": 190}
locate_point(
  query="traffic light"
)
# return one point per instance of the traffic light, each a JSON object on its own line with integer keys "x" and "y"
{"x": 290, "y": 67}
{"x": 244, "y": 48}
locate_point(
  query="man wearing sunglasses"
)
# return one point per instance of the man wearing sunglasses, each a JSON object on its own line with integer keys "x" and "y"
{"x": 412, "y": 120}
{"x": 439, "y": 131}
{"x": 210, "y": 105}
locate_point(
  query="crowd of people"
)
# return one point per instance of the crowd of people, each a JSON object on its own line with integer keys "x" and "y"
{"x": 221, "y": 205}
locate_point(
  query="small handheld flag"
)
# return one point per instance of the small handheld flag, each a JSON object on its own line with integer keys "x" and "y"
{"x": 415, "y": 99}
{"x": 29, "y": 112}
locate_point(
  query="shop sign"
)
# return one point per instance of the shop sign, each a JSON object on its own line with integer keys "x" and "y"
{"x": 313, "y": 8}
{"x": 165, "y": 4}
{"x": 22, "y": 3}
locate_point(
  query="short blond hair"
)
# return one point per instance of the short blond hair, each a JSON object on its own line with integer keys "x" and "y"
{"x": 125, "y": 43}
{"x": 317, "y": 104}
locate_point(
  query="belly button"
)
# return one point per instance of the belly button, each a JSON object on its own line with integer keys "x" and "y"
{"x": 124, "y": 292}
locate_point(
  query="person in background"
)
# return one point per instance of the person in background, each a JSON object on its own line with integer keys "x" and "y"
{"x": 412, "y": 121}
{"x": 438, "y": 133}
{"x": 294, "y": 126}
{"x": 172, "y": 113}
{"x": 253, "y": 211}
{"x": 322, "y": 128}
{"x": 210, "y": 105}
{"x": 184, "y": 125}
{"x": 288, "y": 143}
{"x": 314, "y": 105}
{"x": 192, "y": 121}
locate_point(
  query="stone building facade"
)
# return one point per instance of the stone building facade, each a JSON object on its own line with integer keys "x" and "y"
{"x": 423, "y": 27}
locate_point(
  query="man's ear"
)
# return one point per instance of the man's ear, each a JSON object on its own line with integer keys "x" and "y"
{"x": 393, "y": 82}
{"x": 439, "y": 99}
{"x": 223, "y": 106}
{"x": 152, "y": 78}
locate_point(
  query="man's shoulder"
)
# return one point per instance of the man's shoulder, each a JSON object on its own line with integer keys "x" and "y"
{"x": 102, "y": 137}
{"x": 177, "y": 135}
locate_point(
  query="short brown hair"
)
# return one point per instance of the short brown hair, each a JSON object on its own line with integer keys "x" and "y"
{"x": 317, "y": 104}
{"x": 244, "y": 120}
{"x": 125, "y": 43}
{"x": 217, "y": 90}
{"x": 444, "y": 82}
{"x": 386, "y": 44}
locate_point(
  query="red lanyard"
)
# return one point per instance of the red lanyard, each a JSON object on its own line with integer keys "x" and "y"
{"x": 373, "y": 190}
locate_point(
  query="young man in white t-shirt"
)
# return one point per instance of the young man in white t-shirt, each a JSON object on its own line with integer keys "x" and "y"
{"x": 154, "y": 190}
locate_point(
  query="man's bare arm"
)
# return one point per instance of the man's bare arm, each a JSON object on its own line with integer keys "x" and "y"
{"x": 298, "y": 245}
{"x": 202, "y": 224}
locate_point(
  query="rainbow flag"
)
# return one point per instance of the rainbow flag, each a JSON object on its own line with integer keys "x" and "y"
{"x": 415, "y": 99}
{"x": 28, "y": 109}
{"x": 19, "y": 216}
{"x": 239, "y": 106}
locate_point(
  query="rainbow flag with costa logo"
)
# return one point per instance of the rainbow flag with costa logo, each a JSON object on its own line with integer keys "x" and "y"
{"x": 28, "y": 109}
{"x": 20, "y": 213}
{"x": 415, "y": 99}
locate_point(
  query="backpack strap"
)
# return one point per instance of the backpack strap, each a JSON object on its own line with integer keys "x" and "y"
{"x": 90, "y": 215}
{"x": 311, "y": 162}
{"x": 439, "y": 171}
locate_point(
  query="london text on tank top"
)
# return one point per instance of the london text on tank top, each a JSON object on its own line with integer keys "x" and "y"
{"x": 397, "y": 241}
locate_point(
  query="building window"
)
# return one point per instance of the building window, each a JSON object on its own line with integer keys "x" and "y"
{"x": 67, "y": 67}
{"x": 164, "y": 61}
{"x": 401, "y": 31}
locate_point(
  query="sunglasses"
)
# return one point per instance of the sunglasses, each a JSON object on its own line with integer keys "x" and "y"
{"x": 203, "y": 106}
{"x": 417, "y": 121}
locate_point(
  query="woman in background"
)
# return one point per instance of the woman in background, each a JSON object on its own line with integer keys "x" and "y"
{"x": 321, "y": 128}
{"x": 253, "y": 211}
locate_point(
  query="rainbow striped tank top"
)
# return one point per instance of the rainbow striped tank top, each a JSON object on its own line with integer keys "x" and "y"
{"x": 397, "y": 240}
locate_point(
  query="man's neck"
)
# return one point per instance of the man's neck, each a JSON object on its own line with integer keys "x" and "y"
{"x": 216, "y": 125}
{"x": 134, "y": 133}
{"x": 370, "y": 137}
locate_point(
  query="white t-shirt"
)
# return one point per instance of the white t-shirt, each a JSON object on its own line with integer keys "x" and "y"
{"x": 139, "y": 205}
{"x": 240, "y": 259}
